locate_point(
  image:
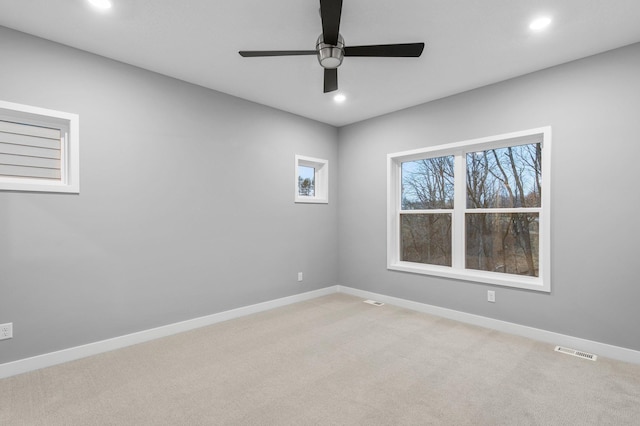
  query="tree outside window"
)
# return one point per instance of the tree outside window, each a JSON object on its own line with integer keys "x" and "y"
{"x": 474, "y": 210}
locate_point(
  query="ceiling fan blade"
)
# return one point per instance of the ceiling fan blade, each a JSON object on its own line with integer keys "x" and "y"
{"x": 330, "y": 11}
{"x": 255, "y": 53}
{"x": 406, "y": 50}
{"x": 330, "y": 79}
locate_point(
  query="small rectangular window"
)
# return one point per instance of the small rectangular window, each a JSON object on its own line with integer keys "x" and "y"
{"x": 38, "y": 149}
{"x": 311, "y": 180}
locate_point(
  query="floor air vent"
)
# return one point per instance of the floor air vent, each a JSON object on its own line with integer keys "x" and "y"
{"x": 373, "y": 302}
{"x": 574, "y": 352}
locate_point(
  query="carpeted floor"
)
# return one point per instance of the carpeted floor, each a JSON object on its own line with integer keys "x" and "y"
{"x": 329, "y": 361}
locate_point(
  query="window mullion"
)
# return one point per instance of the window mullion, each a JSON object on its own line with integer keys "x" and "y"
{"x": 460, "y": 201}
{"x": 394, "y": 210}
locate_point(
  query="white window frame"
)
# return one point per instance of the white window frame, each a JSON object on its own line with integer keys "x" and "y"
{"x": 321, "y": 188}
{"x": 457, "y": 270}
{"x": 69, "y": 126}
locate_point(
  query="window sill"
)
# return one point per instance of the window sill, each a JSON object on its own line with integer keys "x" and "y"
{"x": 506, "y": 280}
{"x": 311, "y": 200}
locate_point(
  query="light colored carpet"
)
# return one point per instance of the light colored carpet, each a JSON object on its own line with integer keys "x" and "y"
{"x": 329, "y": 361}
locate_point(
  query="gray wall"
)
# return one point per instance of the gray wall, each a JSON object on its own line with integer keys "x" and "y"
{"x": 593, "y": 106}
{"x": 185, "y": 206}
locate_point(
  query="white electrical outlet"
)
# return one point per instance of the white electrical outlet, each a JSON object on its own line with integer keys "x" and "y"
{"x": 299, "y": 276}
{"x": 6, "y": 331}
{"x": 491, "y": 296}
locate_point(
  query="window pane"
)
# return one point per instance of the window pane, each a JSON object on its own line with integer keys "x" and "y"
{"x": 306, "y": 181}
{"x": 503, "y": 242}
{"x": 504, "y": 177}
{"x": 426, "y": 238}
{"x": 427, "y": 184}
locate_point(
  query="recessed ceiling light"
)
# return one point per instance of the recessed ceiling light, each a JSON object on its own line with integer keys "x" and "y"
{"x": 339, "y": 98}
{"x": 540, "y": 24}
{"x": 101, "y": 4}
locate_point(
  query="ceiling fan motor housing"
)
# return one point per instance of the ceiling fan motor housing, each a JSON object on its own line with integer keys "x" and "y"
{"x": 330, "y": 56}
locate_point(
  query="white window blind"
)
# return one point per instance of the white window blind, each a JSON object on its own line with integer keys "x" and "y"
{"x": 39, "y": 149}
{"x": 28, "y": 151}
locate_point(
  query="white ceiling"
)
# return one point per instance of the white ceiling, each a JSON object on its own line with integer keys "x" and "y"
{"x": 469, "y": 43}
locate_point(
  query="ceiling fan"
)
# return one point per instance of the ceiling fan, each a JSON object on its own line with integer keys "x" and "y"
{"x": 330, "y": 47}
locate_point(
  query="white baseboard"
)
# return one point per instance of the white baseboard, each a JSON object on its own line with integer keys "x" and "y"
{"x": 50, "y": 359}
{"x": 597, "y": 348}
{"x": 53, "y": 358}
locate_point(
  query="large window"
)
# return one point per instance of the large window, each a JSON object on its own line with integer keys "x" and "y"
{"x": 476, "y": 210}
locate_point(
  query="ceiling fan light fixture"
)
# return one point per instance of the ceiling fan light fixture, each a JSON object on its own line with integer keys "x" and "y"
{"x": 330, "y": 56}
